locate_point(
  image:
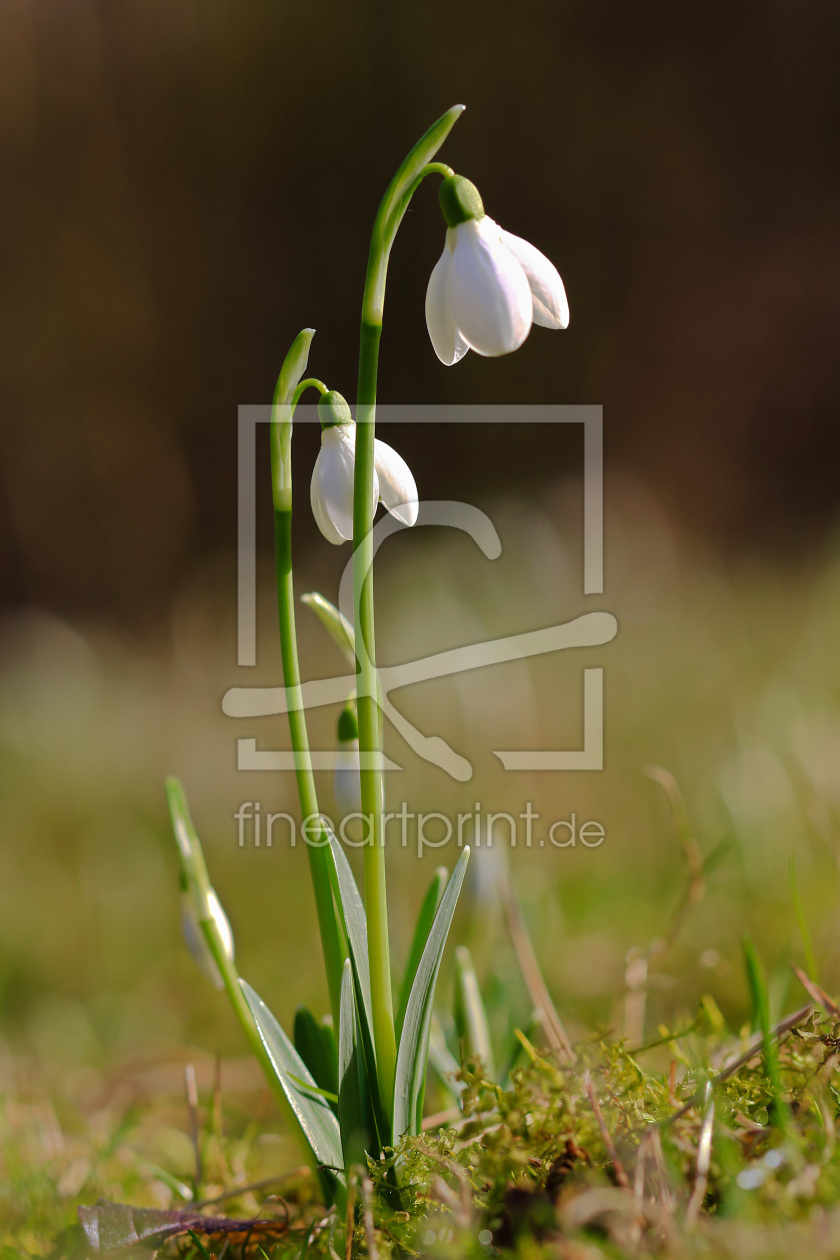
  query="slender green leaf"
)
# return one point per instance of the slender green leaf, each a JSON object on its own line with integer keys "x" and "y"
{"x": 470, "y": 1015}
{"x": 425, "y": 918}
{"x": 313, "y": 1113}
{"x": 396, "y": 199}
{"x": 294, "y": 366}
{"x": 316, "y": 1089}
{"x": 354, "y": 920}
{"x": 414, "y": 1040}
{"x": 354, "y": 1111}
{"x": 334, "y": 622}
{"x": 315, "y": 1043}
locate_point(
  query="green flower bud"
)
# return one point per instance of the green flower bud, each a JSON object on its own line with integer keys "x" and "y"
{"x": 460, "y": 200}
{"x": 348, "y": 726}
{"x": 333, "y": 409}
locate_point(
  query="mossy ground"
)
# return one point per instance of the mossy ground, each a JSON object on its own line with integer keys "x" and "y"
{"x": 730, "y": 679}
{"x": 572, "y": 1160}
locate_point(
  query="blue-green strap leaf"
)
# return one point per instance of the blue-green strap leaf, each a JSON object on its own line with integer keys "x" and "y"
{"x": 315, "y": 1043}
{"x": 353, "y": 917}
{"x": 425, "y": 919}
{"x": 313, "y": 1113}
{"x": 355, "y": 1116}
{"x": 414, "y": 1041}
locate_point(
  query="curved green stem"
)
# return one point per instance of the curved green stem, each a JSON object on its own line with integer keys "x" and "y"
{"x": 311, "y": 382}
{"x": 394, "y": 204}
{"x": 332, "y": 935}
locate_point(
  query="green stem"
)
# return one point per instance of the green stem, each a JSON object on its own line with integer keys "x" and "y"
{"x": 285, "y": 401}
{"x": 332, "y": 937}
{"x": 310, "y": 382}
{"x": 389, "y": 216}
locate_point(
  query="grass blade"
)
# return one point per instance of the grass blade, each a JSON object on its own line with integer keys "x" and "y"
{"x": 761, "y": 1017}
{"x": 414, "y": 1040}
{"x": 425, "y": 919}
{"x": 470, "y": 1014}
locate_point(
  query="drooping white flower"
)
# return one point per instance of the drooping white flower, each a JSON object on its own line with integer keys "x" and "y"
{"x": 488, "y": 287}
{"x": 331, "y": 491}
{"x": 194, "y": 936}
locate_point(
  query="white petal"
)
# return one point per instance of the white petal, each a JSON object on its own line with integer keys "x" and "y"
{"x": 449, "y": 345}
{"x": 488, "y": 290}
{"x": 397, "y": 487}
{"x": 321, "y": 519}
{"x": 551, "y": 307}
{"x": 331, "y": 490}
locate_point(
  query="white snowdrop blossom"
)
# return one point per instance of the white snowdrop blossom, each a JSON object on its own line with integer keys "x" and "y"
{"x": 331, "y": 491}
{"x": 488, "y": 286}
{"x": 194, "y": 936}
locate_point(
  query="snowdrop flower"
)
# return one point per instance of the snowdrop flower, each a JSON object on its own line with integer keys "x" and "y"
{"x": 194, "y": 936}
{"x": 488, "y": 287}
{"x": 331, "y": 492}
{"x": 347, "y": 783}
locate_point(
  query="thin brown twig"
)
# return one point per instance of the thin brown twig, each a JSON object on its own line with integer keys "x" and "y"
{"x": 441, "y": 1117}
{"x": 620, "y": 1175}
{"x": 531, "y": 972}
{"x": 814, "y": 991}
{"x": 729, "y": 1069}
{"x": 696, "y": 886}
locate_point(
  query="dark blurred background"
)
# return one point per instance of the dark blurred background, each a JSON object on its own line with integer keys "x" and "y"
{"x": 186, "y": 185}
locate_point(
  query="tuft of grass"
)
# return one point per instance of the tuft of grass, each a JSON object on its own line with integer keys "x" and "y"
{"x": 604, "y": 1154}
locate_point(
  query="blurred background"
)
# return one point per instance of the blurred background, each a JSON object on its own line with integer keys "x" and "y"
{"x": 187, "y": 185}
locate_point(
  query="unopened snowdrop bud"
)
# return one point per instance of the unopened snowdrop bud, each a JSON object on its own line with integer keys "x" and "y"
{"x": 196, "y": 940}
{"x": 333, "y": 409}
{"x": 331, "y": 491}
{"x": 488, "y": 286}
{"x": 347, "y": 784}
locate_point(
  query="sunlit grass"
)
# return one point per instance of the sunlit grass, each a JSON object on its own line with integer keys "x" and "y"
{"x": 727, "y": 677}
